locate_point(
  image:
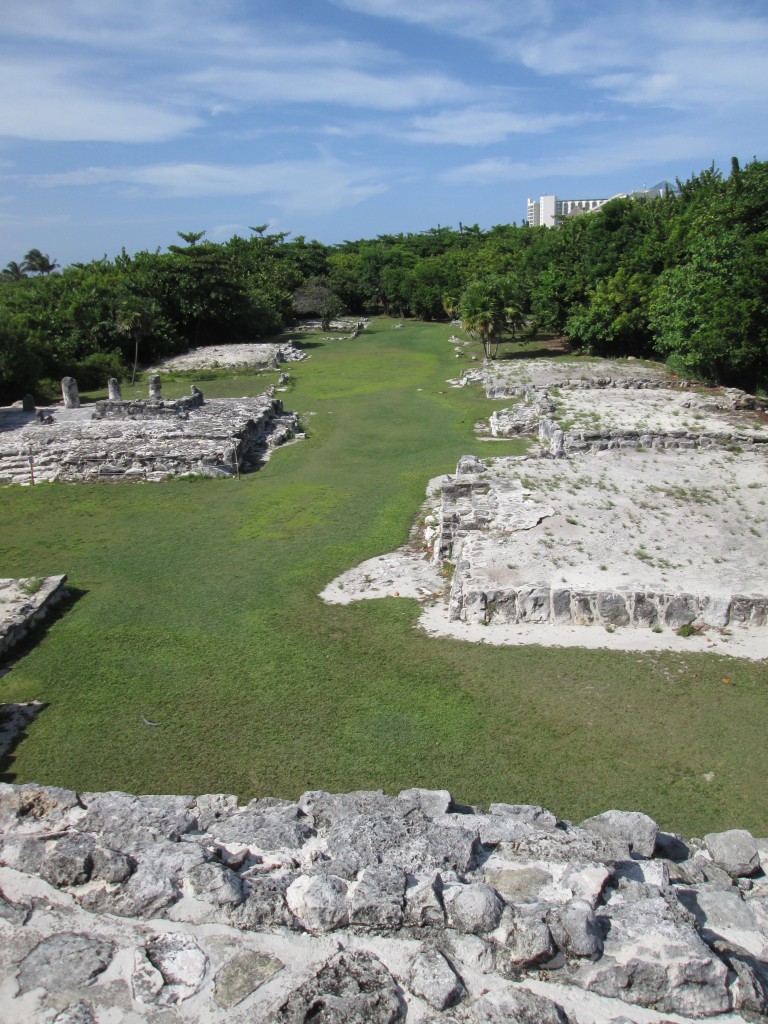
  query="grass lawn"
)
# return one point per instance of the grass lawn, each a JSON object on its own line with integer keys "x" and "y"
{"x": 198, "y": 609}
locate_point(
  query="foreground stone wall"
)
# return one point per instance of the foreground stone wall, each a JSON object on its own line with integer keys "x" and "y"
{"x": 362, "y": 908}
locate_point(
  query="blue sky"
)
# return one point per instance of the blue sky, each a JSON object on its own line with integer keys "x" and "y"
{"x": 341, "y": 119}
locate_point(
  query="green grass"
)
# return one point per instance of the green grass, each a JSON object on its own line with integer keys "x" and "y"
{"x": 198, "y": 609}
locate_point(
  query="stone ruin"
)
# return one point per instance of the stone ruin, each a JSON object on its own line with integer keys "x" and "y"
{"x": 24, "y": 604}
{"x": 363, "y": 908}
{"x": 149, "y": 439}
{"x": 659, "y": 482}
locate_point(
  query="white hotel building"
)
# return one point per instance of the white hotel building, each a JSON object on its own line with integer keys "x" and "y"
{"x": 548, "y": 210}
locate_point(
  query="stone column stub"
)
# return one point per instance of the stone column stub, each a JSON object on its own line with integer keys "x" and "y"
{"x": 69, "y": 393}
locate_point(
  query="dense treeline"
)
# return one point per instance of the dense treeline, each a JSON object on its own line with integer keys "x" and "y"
{"x": 683, "y": 278}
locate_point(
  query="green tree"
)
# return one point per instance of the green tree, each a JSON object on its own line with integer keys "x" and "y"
{"x": 14, "y": 271}
{"x": 39, "y": 263}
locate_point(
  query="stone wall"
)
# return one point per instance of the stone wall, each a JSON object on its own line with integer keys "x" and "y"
{"x": 24, "y": 604}
{"x": 362, "y": 908}
{"x": 610, "y": 608}
{"x": 565, "y": 442}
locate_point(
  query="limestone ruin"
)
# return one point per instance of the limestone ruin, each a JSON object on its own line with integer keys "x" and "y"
{"x": 642, "y": 505}
{"x": 24, "y": 604}
{"x": 150, "y": 439}
{"x": 369, "y": 909}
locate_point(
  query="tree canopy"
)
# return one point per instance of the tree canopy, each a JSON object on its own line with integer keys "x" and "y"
{"x": 682, "y": 278}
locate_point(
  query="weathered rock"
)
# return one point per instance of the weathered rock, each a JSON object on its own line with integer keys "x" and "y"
{"x": 735, "y": 851}
{"x": 214, "y": 807}
{"x": 265, "y": 905}
{"x": 474, "y": 908}
{"x": 518, "y": 1006}
{"x": 264, "y": 827}
{"x": 22, "y": 852}
{"x": 181, "y": 963}
{"x": 575, "y": 929}
{"x": 653, "y": 957}
{"x": 673, "y": 937}
{"x": 750, "y": 990}
{"x": 378, "y": 899}
{"x": 654, "y": 872}
{"x": 517, "y": 884}
{"x": 531, "y": 814}
{"x": 424, "y": 901}
{"x": 566, "y": 845}
{"x": 216, "y": 884}
{"x": 32, "y": 808}
{"x": 636, "y": 829}
{"x": 319, "y": 903}
{"x": 351, "y": 988}
{"x": 432, "y": 977}
{"x": 113, "y": 390}
{"x": 111, "y": 865}
{"x": 70, "y": 861}
{"x": 15, "y": 913}
{"x": 528, "y": 941}
{"x": 155, "y": 386}
{"x": 726, "y": 915}
{"x": 409, "y": 844}
{"x": 80, "y": 1013}
{"x": 133, "y": 819}
{"x": 64, "y": 961}
{"x": 242, "y": 975}
{"x": 433, "y": 802}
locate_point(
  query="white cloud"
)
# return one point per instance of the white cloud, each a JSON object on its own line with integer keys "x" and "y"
{"x": 679, "y": 55}
{"x": 328, "y": 84}
{"x": 598, "y": 159}
{"x": 474, "y": 126}
{"x": 311, "y": 185}
{"x": 480, "y": 19}
{"x": 51, "y": 107}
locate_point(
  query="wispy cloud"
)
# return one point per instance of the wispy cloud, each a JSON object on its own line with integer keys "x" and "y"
{"x": 474, "y": 126}
{"x": 348, "y": 87}
{"x": 52, "y": 107}
{"x": 324, "y": 185}
{"x": 96, "y": 72}
{"x": 679, "y": 55}
{"x": 598, "y": 159}
{"x": 482, "y": 19}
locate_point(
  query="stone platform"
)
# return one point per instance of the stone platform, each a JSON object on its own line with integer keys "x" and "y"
{"x": 143, "y": 440}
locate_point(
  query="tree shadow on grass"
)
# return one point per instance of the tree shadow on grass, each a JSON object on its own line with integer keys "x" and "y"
{"x": 15, "y": 718}
{"x": 301, "y": 344}
{"x": 539, "y": 348}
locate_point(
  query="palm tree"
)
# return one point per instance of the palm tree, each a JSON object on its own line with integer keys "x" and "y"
{"x": 14, "y": 271}
{"x": 135, "y": 320}
{"x": 482, "y": 313}
{"x": 39, "y": 263}
{"x": 450, "y": 306}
